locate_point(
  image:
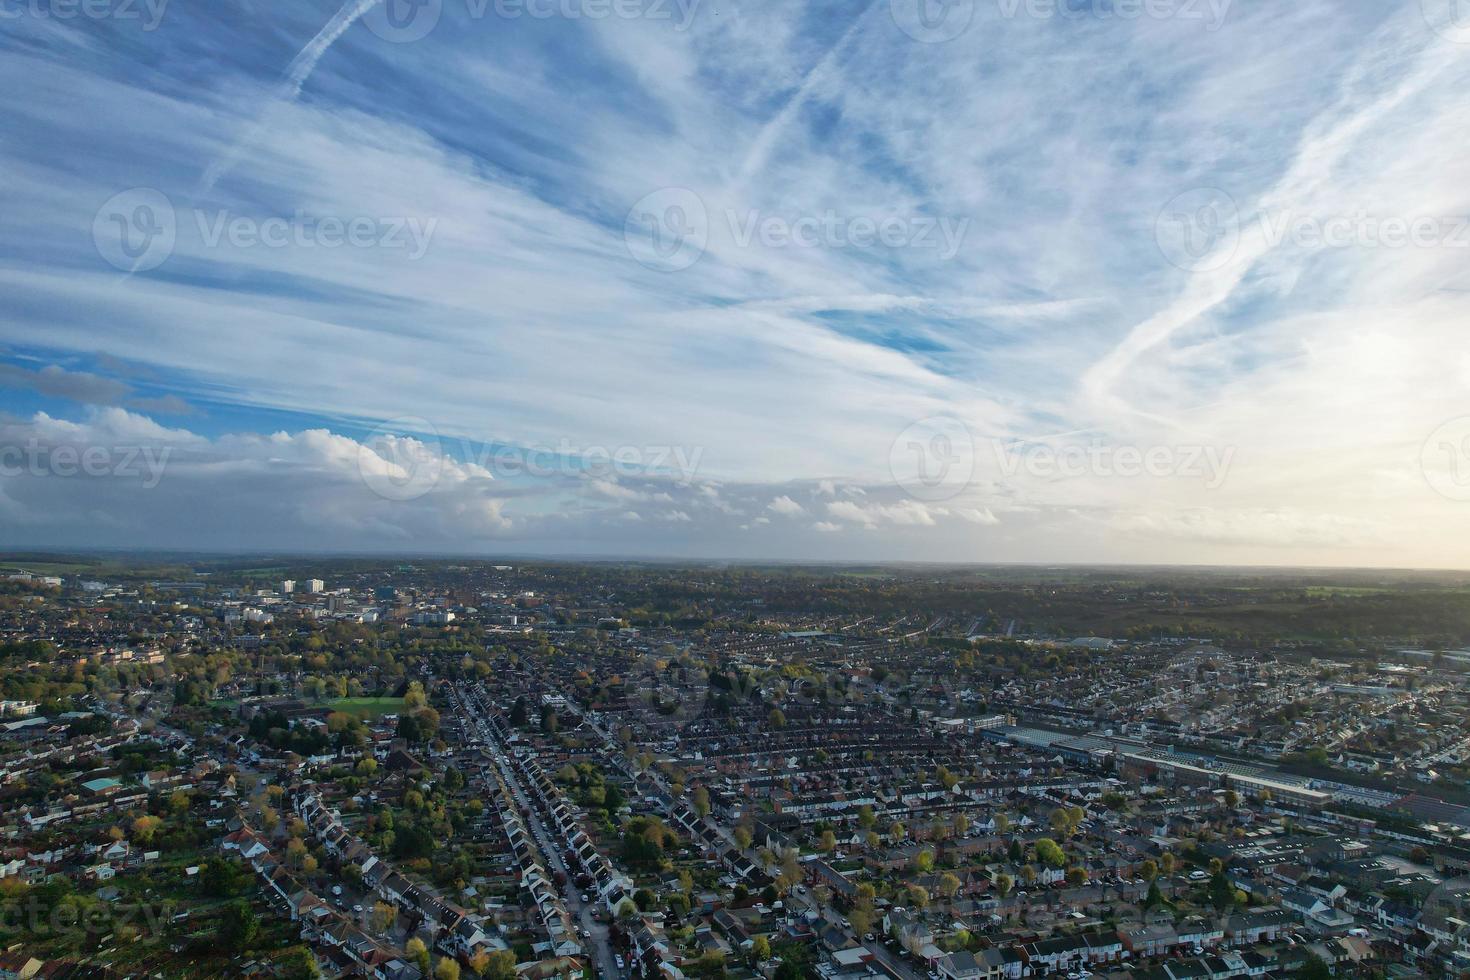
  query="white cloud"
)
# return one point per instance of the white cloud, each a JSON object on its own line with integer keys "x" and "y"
{"x": 785, "y": 506}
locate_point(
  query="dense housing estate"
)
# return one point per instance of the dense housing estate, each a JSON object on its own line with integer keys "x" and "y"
{"x": 488, "y": 770}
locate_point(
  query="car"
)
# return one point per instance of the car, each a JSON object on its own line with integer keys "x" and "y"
{"x": 585, "y": 898}
{"x": 618, "y": 959}
{"x": 1199, "y": 951}
{"x": 868, "y": 938}
{"x": 357, "y": 909}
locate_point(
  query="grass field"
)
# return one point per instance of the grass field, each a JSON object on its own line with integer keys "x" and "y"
{"x": 367, "y": 707}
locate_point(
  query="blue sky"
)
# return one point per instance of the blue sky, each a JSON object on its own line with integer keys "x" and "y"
{"x": 981, "y": 280}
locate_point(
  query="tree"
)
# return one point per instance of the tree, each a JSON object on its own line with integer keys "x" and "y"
{"x": 918, "y": 896}
{"x": 865, "y": 817}
{"x": 220, "y": 878}
{"x": 501, "y": 965}
{"x": 896, "y": 832}
{"x": 760, "y": 949}
{"x": 1149, "y": 870}
{"x": 238, "y": 927}
{"x": 701, "y": 801}
{"x": 383, "y": 916}
{"x": 776, "y": 718}
{"x": 1002, "y": 823}
{"x": 949, "y": 885}
{"x": 873, "y": 840}
{"x": 924, "y": 861}
{"x": 1315, "y": 968}
{"x": 861, "y": 921}
{"x": 145, "y": 827}
{"x": 419, "y": 953}
{"x": 1003, "y": 884}
{"x": 1168, "y": 863}
{"x": 828, "y": 843}
{"x": 1049, "y": 853}
{"x": 1222, "y": 892}
{"x": 518, "y": 713}
{"x": 743, "y": 838}
{"x": 1076, "y": 876}
{"x": 447, "y": 969}
{"x": 300, "y": 964}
